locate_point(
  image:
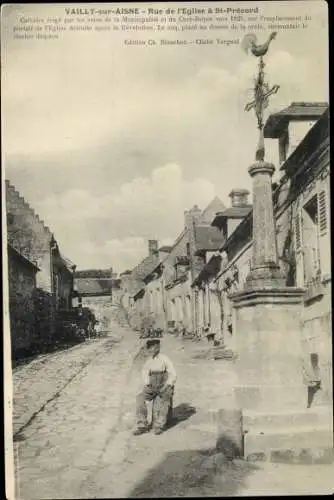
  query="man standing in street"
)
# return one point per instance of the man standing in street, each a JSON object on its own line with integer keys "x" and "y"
{"x": 159, "y": 379}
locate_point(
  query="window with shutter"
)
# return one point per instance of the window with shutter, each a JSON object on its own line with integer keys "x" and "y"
{"x": 322, "y": 212}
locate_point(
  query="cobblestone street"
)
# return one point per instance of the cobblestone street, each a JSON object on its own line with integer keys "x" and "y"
{"x": 78, "y": 443}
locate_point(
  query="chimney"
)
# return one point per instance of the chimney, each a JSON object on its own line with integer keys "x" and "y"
{"x": 191, "y": 216}
{"x": 239, "y": 197}
{"x": 152, "y": 247}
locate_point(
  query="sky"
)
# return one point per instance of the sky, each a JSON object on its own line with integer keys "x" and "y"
{"x": 110, "y": 143}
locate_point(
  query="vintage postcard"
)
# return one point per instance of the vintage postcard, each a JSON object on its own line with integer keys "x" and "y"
{"x": 166, "y": 215}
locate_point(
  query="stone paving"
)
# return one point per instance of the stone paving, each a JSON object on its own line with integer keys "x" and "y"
{"x": 38, "y": 382}
{"x": 80, "y": 445}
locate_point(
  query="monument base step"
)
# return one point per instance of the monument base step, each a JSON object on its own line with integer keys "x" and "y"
{"x": 319, "y": 416}
{"x": 304, "y": 436}
{"x": 302, "y": 444}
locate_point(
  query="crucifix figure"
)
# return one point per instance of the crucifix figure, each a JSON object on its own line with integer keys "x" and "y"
{"x": 262, "y": 92}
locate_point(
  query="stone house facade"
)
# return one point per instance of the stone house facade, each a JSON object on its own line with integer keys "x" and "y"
{"x": 30, "y": 238}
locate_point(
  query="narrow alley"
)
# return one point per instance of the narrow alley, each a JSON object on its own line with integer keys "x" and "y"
{"x": 79, "y": 443}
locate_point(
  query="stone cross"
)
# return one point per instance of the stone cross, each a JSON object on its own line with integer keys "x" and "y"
{"x": 262, "y": 92}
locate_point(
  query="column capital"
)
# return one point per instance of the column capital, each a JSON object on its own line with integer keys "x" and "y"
{"x": 261, "y": 167}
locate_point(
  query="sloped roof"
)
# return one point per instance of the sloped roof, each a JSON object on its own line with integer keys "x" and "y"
{"x": 139, "y": 293}
{"x": 215, "y": 205}
{"x": 146, "y": 266}
{"x": 210, "y": 270}
{"x": 68, "y": 263}
{"x": 93, "y": 273}
{"x": 14, "y": 251}
{"x": 136, "y": 286}
{"x": 166, "y": 249}
{"x": 231, "y": 213}
{"x": 93, "y": 286}
{"x": 314, "y": 138}
{"x": 208, "y": 238}
{"x": 297, "y": 111}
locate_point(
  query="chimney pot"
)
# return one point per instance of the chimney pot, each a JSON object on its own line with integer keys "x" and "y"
{"x": 239, "y": 197}
{"x": 152, "y": 246}
{"x": 191, "y": 216}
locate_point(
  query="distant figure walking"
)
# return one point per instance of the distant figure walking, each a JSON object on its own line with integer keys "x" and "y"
{"x": 159, "y": 379}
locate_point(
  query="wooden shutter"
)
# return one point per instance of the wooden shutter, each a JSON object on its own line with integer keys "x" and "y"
{"x": 323, "y": 228}
{"x": 298, "y": 237}
{"x": 322, "y": 213}
{"x": 298, "y": 231}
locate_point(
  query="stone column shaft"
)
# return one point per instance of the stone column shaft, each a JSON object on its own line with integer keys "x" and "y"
{"x": 265, "y": 270}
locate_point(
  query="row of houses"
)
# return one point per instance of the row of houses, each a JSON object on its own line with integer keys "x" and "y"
{"x": 40, "y": 277}
{"x": 186, "y": 287}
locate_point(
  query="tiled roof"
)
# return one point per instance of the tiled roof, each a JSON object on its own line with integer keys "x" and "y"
{"x": 296, "y": 111}
{"x": 145, "y": 267}
{"x": 93, "y": 286}
{"x": 208, "y": 238}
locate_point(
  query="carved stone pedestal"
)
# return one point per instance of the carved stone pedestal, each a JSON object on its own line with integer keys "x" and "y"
{"x": 270, "y": 389}
{"x": 268, "y": 343}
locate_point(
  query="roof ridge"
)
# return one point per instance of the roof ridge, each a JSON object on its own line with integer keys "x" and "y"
{"x": 309, "y": 103}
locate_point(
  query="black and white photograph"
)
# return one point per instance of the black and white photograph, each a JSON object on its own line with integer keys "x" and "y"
{"x": 166, "y": 249}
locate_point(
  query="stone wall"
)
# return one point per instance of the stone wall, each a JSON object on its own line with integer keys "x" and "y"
{"x": 31, "y": 238}
{"x": 22, "y": 284}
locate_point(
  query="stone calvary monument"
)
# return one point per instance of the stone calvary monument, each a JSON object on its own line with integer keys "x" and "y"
{"x": 271, "y": 392}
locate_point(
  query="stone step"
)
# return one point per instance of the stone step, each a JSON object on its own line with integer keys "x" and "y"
{"x": 318, "y": 416}
{"x": 303, "y": 445}
{"x": 289, "y": 444}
